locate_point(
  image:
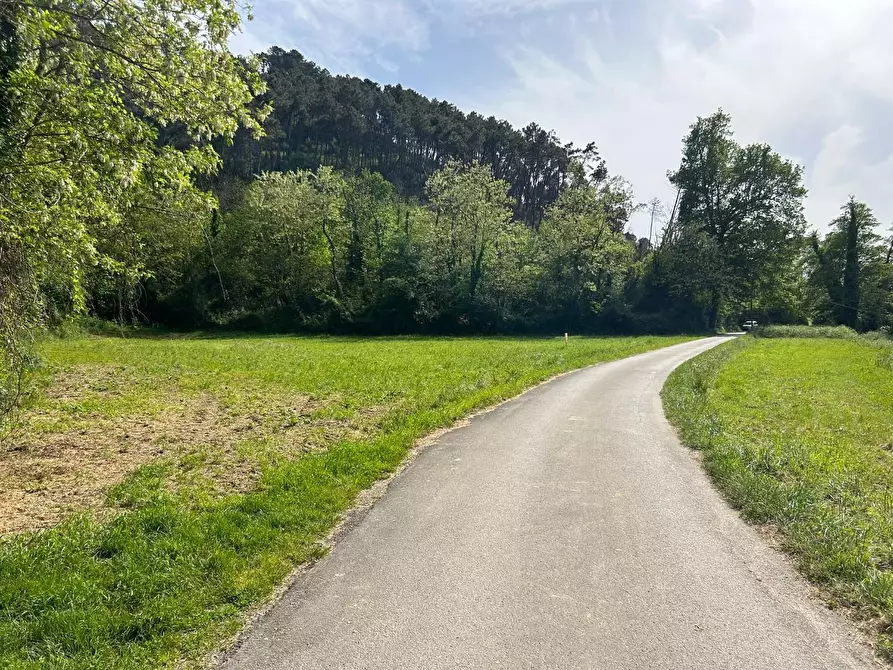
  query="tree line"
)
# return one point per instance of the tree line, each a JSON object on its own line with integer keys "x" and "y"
{"x": 337, "y": 250}
{"x": 330, "y": 251}
{"x": 148, "y": 176}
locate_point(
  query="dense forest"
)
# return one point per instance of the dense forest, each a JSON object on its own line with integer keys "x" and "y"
{"x": 354, "y": 125}
{"x": 150, "y": 177}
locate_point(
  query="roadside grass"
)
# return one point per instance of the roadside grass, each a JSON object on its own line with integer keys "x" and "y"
{"x": 163, "y": 567}
{"x": 798, "y": 434}
{"x": 809, "y": 332}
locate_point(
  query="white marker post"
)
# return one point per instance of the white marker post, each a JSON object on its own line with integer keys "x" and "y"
{"x": 566, "y": 341}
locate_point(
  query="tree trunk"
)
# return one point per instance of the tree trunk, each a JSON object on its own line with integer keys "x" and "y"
{"x": 333, "y": 254}
{"x": 850, "y": 306}
{"x": 477, "y": 271}
{"x": 713, "y": 319}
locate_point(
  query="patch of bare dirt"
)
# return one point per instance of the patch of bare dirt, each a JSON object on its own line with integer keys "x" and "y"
{"x": 73, "y": 383}
{"x": 46, "y": 476}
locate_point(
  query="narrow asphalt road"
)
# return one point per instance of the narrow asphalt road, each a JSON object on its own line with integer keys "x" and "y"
{"x": 568, "y": 528}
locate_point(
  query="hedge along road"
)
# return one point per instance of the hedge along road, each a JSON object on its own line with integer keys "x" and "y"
{"x": 567, "y": 528}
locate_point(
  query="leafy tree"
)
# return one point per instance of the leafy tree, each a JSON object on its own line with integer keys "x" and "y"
{"x": 876, "y": 306}
{"x": 472, "y": 223}
{"x": 615, "y": 196}
{"x": 319, "y": 250}
{"x": 356, "y": 125}
{"x": 850, "y": 267}
{"x": 690, "y": 270}
{"x": 275, "y": 252}
{"x": 506, "y": 300}
{"x": 88, "y": 88}
{"x": 145, "y": 254}
{"x": 369, "y": 206}
{"x": 747, "y": 203}
{"x": 889, "y": 256}
{"x": 584, "y": 255}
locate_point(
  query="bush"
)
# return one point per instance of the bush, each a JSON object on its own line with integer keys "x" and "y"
{"x": 827, "y": 332}
{"x": 83, "y": 326}
{"x": 882, "y": 335}
{"x": 18, "y": 367}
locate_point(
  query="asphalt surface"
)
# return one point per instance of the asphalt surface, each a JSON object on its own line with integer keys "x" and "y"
{"x": 568, "y": 528}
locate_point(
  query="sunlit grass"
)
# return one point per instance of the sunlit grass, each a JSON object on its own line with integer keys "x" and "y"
{"x": 171, "y": 571}
{"x": 798, "y": 433}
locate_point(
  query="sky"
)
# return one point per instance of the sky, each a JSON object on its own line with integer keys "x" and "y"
{"x": 813, "y": 78}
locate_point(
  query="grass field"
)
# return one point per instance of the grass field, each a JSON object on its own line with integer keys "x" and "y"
{"x": 163, "y": 486}
{"x": 798, "y": 434}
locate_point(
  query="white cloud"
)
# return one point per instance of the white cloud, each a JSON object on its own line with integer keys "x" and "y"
{"x": 341, "y": 35}
{"x": 784, "y": 70}
{"x": 344, "y": 34}
{"x": 840, "y": 170}
{"x": 499, "y": 7}
{"x": 247, "y": 41}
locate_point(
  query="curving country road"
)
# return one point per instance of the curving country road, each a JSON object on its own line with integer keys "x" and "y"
{"x": 568, "y": 528}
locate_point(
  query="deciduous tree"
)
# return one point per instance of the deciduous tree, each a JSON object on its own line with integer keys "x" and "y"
{"x": 748, "y": 202}
{"x": 104, "y": 100}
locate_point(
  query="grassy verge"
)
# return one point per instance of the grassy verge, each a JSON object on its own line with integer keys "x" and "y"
{"x": 807, "y": 332}
{"x": 798, "y": 434}
{"x": 235, "y": 456}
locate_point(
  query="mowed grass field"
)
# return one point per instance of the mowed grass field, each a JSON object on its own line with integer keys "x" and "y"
{"x": 162, "y": 487}
{"x": 798, "y": 434}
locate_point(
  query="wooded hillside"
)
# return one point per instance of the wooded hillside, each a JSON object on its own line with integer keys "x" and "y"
{"x": 355, "y": 124}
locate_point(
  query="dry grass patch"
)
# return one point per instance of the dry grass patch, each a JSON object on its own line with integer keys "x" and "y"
{"x": 88, "y": 435}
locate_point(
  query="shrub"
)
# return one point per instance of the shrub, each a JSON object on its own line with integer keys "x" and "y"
{"x": 828, "y": 332}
